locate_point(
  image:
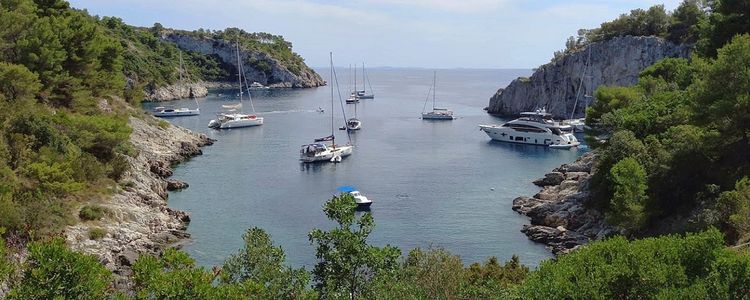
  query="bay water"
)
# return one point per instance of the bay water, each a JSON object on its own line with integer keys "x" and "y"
{"x": 433, "y": 183}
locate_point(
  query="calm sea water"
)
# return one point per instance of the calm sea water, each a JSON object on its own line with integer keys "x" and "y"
{"x": 431, "y": 181}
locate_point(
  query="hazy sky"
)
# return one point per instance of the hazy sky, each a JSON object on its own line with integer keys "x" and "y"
{"x": 398, "y": 33}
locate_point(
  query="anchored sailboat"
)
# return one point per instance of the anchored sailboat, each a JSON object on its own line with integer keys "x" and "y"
{"x": 319, "y": 151}
{"x": 167, "y": 111}
{"x": 436, "y": 113}
{"x": 237, "y": 120}
{"x": 363, "y": 93}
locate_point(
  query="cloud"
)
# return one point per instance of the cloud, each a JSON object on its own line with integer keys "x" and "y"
{"x": 460, "y": 6}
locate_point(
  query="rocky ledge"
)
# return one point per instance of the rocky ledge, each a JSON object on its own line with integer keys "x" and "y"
{"x": 138, "y": 220}
{"x": 559, "y": 216}
{"x": 177, "y": 91}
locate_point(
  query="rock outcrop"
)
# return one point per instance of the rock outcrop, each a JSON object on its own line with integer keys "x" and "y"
{"x": 558, "y": 213}
{"x": 138, "y": 220}
{"x": 614, "y": 62}
{"x": 259, "y": 66}
{"x": 177, "y": 91}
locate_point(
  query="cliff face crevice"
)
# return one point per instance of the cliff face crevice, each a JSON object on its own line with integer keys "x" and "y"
{"x": 554, "y": 86}
{"x": 259, "y": 66}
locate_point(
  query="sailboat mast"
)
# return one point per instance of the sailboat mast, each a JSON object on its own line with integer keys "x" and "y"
{"x": 333, "y": 139}
{"x": 364, "y": 87}
{"x": 239, "y": 73}
{"x": 355, "y": 79}
{"x": 434, "y": 88}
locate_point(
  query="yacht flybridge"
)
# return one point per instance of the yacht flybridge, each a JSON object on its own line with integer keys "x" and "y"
{"x": 233, "y": 119}
{"x": 319, "y": 151}
{"x": 535, "y": 128}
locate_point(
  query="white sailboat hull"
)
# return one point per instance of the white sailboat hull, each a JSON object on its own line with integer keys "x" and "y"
{"x": 235, "y": 121}
{"x": 510, "y": 135}
{"x": 180, "y": 112}
{"x": 327, "y": 155}
{"x": 437, "y": 115}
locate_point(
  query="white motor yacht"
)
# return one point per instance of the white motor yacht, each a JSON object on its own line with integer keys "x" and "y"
{"x": 535, "y": 128}
{"x": 361, "y": 200}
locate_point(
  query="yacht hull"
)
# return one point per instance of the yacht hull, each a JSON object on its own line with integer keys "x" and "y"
{"x": 236, "y": 123}
{"x": 509, "y": 135}
{"x": 177, "y": 113}
{"x": 326, "y": 156}
{"x": 431, "y": 116}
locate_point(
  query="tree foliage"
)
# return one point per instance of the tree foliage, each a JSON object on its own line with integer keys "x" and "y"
{"x": 347, "y": 264}
{"x": 52, "y": 271}
{"x": 696, "y": 266}
{"x": 687, "y": 124}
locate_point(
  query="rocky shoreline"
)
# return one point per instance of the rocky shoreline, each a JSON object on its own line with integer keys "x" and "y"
{"x": 177, "y": 91}
{"x": 558, "y": 213}
{"x": 137, "y": 219}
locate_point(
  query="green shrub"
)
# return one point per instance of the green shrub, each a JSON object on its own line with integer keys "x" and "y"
{"x": 652, "y": 268}
{"x": 92, "y": 212}
{"x": 52, "y": 271}
{"x": 97, "y": 233}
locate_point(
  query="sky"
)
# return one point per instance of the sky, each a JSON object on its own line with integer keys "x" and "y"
{"x": 391, "y": 33}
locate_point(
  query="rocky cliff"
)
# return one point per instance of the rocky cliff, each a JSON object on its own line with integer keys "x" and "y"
{"x": 614, "y": 62}
{"x": 177, "y": 91}
{"x": 138, "y": 219}
{"x": 559, "y": 216}
{"x": 259, "y": 66}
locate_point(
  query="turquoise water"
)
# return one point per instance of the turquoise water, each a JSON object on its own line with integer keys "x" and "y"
{"x": 432, "y": 181}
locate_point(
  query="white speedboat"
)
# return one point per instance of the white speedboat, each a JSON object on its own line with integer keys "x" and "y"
{"x": 257, "y": 86}
{"x": 578, "y": 125}
{"x": 535, "y": 128}
{"x": 436, "y": 113}
{"x": 320, "y": 152}
{"x": 353, "y": 124}
{"x": 233, "y": 119}
{"x": 361, "y": 200}
{"x": 166, "y": 112}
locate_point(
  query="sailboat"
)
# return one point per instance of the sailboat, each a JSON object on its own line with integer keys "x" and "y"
{"x": 319, "y": 151}
{"x": 167, "y": 111}
{"x": 354, "y": 123}
{"x": 237, "y": 120}
{"x": 353, "y": 96}
{"x": 363, "y": 93}
{"x": 436, "y": 113}
{"x": 579, "y": 124}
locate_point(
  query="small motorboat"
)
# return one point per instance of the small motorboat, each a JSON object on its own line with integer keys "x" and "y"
{"x": 361, "y": 200}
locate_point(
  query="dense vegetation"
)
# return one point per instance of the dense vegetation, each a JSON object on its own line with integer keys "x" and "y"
{"x": 273, "y": 45}
{"x": 56, "y": 145}
{"x": 683, "y": 25}
{"x": 150, "y": 62}
{"x": 677, "y": 154}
